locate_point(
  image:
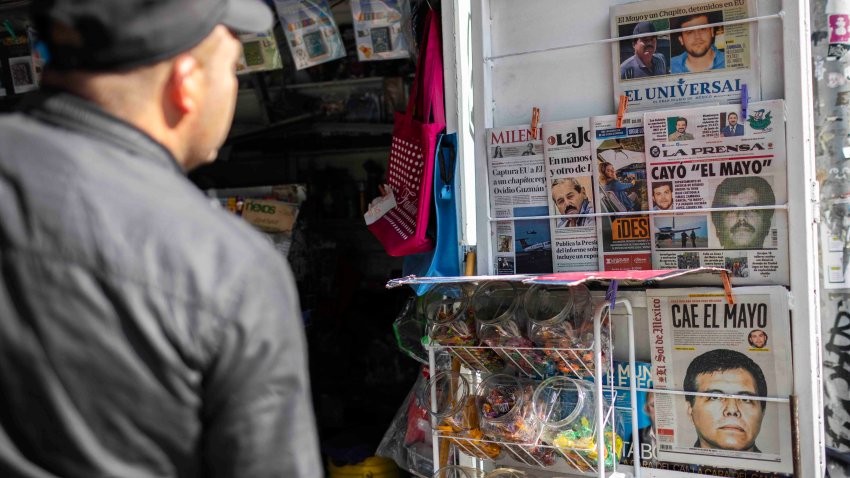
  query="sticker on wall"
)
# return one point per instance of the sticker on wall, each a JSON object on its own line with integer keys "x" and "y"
{"x": 839, "y": 36}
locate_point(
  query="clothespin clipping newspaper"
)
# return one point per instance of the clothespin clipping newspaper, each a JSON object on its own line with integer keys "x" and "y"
{"x": 745, "y": 101}
{"x": 727, "y": 287}
{"x": 621, "y": 110}
{"x": 535, "y": 121}
{"x": 611, "y": 295}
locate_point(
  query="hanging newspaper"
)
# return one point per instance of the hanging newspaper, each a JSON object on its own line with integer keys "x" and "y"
{"x": 517, "y": 182}
{"x": 259, "y": 53}
{"x": 701, "y": 343}
{"x": 713, "y": 157}
{"x": 378, "y": 28}
{"x": 311, "y": 32}
{"x": 620, "y": 179}
{"x": 569, "y": 182}
{"x": 678, "y": 69}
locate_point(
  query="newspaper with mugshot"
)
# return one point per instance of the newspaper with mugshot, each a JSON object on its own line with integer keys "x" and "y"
{"x": 698, "y": 65}
{"x": 732, "y": 169}
{"x": 517, "y": 182}
{"x": 619, "y": 178}
{"x": 569, "y": 178}
{"x": 701, "y": 343}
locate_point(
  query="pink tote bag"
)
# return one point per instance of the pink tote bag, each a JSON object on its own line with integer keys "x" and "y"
{"x": 410, "y": 172}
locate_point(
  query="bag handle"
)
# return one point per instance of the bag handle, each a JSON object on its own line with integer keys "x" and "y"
{"x": 414, "y": 99}
{"x": 434, "y": 100}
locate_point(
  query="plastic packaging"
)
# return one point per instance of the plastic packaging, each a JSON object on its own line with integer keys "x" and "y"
{"x": 500, "y": 321}
{"x": 311, "y": 32}
{"x": 378, "y": 28}
{"x": 505, "y": 409}
{"x": 566, "y": 409}
{"x": 447, "y": 307}
{"x": 452, "y": 406}
{"x": 561, "y": 321}
{"x": 409, "y": 433}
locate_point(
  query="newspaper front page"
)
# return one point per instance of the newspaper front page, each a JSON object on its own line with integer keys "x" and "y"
{"x": 701, "y": 343}
{"x": 619, "y": 177}
{"x": 517, "y": 180}
{"x": 701, "y": 65}
{"x": 569, "y": 179}
{"x": 712, "y": 158}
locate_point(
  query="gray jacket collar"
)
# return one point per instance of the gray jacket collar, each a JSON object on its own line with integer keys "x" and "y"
{"x": 74, "y": 113}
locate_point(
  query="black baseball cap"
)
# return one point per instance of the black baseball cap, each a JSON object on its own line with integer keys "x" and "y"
{"x": 643, "y": 27}
{"x": 113, "y": 35}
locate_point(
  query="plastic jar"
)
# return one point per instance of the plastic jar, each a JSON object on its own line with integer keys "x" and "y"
{"x": 505, "y": 409}
{"x": 507, "y": 473}
{"x": 561, "y": 322}
{"x": 450, "y": 403}
{"x": 566, "y": 409}
{"x": 450, "y": 323}
{"x": 500, "y": 322}
{"x": 454, "y": 471}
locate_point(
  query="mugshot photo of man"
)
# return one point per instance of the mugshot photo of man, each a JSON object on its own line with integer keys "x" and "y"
{"x": 721, "y": 422}
{"x": 681, "y": 132}
{"x": 662, "y": 196}
{"x": 757, "y": 339}
{"x": 646, "y": 61}
{"x": 529, "y": 150}
{"x": 570, "y": 198}
{"x": 744, "y": 228}
{"x": 700, "y": 52}
{"x": 732, "y": 128}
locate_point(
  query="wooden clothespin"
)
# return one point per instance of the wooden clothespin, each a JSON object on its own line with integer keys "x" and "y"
{"x": 535, "y": 121}
{"x": 745, "y": 101}
{"x": 621, "y": 110}
{"x": 727, "y": 287}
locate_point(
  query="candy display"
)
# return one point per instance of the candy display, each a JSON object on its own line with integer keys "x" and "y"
{"x": 450, "y": 323}
{"x": 533, "y": 455}
{"x": 500, "y": 321}
{"x": 505, "y": 408}
{"x": 561, "y": 322}
{"x": 448, "y": 399}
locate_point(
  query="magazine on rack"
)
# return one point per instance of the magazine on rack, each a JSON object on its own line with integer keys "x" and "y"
{"x": 713, "y": 157}
{"x": 517, "y": 179}
{"x": 311, "y": 32}
{"x": 569, "y": 181}
{"x": 619, "y": 176}
{"x": 702, "y": 65}
{"x": 702, "y": 343}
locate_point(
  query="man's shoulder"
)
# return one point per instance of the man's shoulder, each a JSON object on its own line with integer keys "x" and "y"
{"x": 677, "y": 63}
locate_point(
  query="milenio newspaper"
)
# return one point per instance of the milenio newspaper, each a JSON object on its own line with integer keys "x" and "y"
{"x": 619, "y": 178}
{"x": 702, "y": 343}
{"x": 714, "y": 158}
{"x": 566, "y": 148}
{"x": 517, "y": 180}
{"x": 707, "y": 65}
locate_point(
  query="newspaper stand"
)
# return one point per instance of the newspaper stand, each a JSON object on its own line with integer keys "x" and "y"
{"x": 503, "y": 58}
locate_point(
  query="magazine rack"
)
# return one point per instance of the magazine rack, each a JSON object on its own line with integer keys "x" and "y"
{"x": 504, "y": 57}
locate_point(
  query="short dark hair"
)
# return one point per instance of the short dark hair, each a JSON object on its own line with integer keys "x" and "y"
{"x": 735, "y": 185}
{"x": 669, "y": 184}
{"x": 712, "y": 17}
{"x": 721, "y": 360}
{"x": 682, "y": 119}
{"x": 731, "y": 113}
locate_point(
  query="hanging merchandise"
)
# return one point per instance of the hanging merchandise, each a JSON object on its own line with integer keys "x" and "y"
{"x": 311, "y": 31}
{"x": 378, "y": 28}
{"x": 399, "y": 218}
{"x": 407, "y": 441}
{"x": 259, "y": 53}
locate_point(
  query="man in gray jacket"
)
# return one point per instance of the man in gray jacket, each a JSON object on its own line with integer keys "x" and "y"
{"x": 142, "y": 331}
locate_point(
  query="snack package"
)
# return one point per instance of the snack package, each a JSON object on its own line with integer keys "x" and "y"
{"x": 378, "y": 29}
{"x": 311, "y": 31}
{"x": 259, "y": 53}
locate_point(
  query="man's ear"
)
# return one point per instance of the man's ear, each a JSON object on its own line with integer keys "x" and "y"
{"x": 690, "y": 410}
{"x": 681, "y": 42}
{"x": 185, "y": 83}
